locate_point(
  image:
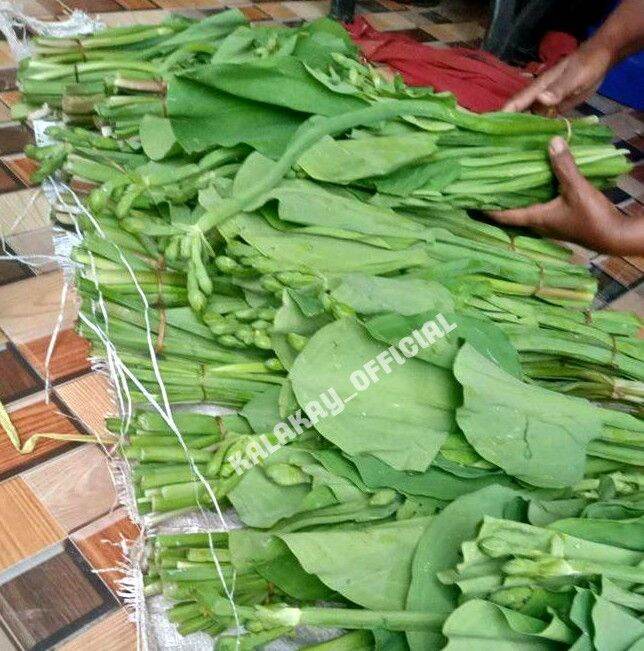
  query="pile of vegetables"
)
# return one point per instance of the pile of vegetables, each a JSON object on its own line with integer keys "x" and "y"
{"x": 262, "y": 216}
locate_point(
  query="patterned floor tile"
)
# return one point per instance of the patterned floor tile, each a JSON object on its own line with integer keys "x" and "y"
{"x": 14, "y": 137}
{"x": 73, "y": 594}
{"x": 631, "y": 187}
{"x": 21, "y": 167}
{"x": 308, "y": 9}
{"x": 113, "y": 631}
{"x": 623, "y": 124}
{"x": 633, "y": 301}
{"x": 89, "y": 398}
{"x": 26, "y": 527}
{"x": 255, "y": 13}
{"x": 35, "y": 417}
{"x": 29, "y": 309}
{"x": 11, "y": 271}
{"x": 10, "y": 97}
{"x": 74, "y": 503}
{"x": 127, "y": 18}
{"x": 619, "y": 269}
{"x": 136, "y": 4}
{"x": 36, "y": 250}
{"x": 8, "y": 182}
{"x": 23, "y": 211}
{"x": 278, "y": 11}
{"x": 16, "y": 378}
{"x": 387, "y": 22}
{"x": 7, "y": 60}
{"x": 93, "y": 6}
{"x": 103, "y": 544}
{"x": 450, "y": 33}
{"x": 69, "y": 357}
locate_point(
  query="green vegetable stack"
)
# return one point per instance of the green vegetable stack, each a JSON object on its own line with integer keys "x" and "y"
{"x": 437, "y": 442}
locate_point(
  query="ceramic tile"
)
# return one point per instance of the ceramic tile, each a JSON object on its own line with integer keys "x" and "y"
{"x": 631, "y": 186}
{"x": 36, "y": 250}
{"x": 74, "y": 503}
{"x": 69, "y": 357}
{"x": 456, "y": 32}
{"x": 10, "y": 97}
{"x": 14, "y": 137}
{"x": 103, "y": 543}
{"x": 89, "y": 399}
{"x": 8, "y": 182}
{"x": 33, "y": 418}
{"x": 254, "y": 13}
{"x": 623, "y": 124}
{"x": 16, "y": 378}
{"x": 20, "y": 166}
{"x": 387, "y": 22}
{"x": 26, "y": 527}
{"x": 11, "y": 270}
{"x": 5, "y": 113}
{"x": 278, "y": 11}
{"x": 605, "y": 104}
{"x": 633, "y": 209}
{"x": 93, "y": 6}
{"x": 7, "y": 60}
{"x": 74, "y": 596}
{"x": 136, "y": 4}
{"x": 23, "y": 211}
{"x": 29, "y": 309}
{"x": 309, "y": 9}
{"x": 619, "y": 269}
{"x": 126, "y": 18}
{"x": 7, "y": 79}
{"x": 113, "y": 632}
{"x": 633, "y": 301}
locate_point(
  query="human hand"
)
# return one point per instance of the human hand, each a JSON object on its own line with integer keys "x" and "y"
{"x": 572, "y": 81}
{"x": 581, "y": 213}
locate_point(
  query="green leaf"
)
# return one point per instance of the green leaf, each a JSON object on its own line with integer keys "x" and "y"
{"x": 402, "y": 419}
{"x": 438, "y": 549}
{"x": 532, "y": 433}
{"x": 344, "y": 161}
{"x": 369, "y": 566}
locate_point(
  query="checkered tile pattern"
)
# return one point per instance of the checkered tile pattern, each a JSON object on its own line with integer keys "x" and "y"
{"x": 61, "y": 525}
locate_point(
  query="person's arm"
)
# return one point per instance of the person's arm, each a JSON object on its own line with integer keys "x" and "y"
{"x": 578, "y": 76}
{"x": 581, "y": 213}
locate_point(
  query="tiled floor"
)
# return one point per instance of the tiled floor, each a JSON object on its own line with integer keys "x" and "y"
{"x": 60, "y": 523}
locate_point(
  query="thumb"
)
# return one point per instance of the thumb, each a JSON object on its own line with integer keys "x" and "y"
{"x": 564, "y": 166}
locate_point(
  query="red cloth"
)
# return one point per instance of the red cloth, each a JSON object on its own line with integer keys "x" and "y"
{"x": 554, "y": 47}
{"x": 480, "y": 81}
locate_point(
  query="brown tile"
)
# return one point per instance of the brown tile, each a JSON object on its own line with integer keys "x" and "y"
{"x": 14, "y": 137}
{"x": 387, "y": 22}
{"x": 7, "y": 79}
{"x": 10, "y": 97}
{"x": 8, "y": 182}
{"x": 449, "y": 33}
{"x": 632, "y": 301}
{"x": 34, "y": 418}
{"x": 254, "y": 13}
{"x": 5, "y": 113}
{"x": 48, "y": 602}
{"x": 93, "y": 6}
{"x": 623, "y": 124}
{"x": 30, "y": 308}
{"x": 16, "y": 379}
{"x": 416, "y": 34}
{"x": 278, "y": 11}
{"x": 114, "y": 632}
{"x": 26, "y": 527}
{"x": 619, "y": 269}
{"x": 128, "y": 18}
{"x": 103, "y": 544}
{"x": 89, "y": 398}
{"x": 24, "y": 211}
{"x": 309, "y": 9}
{"x": 21, "y": 167}
{"x": 68, "y": 359}
{"x": 136, "y": 4}
{"x": 73, "y": 504}
{"x": 12, "y": 271}
{"x": 7, "y": 59}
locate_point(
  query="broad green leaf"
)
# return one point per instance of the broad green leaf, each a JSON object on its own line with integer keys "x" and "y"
{"x": 402, "y": 419}
{"x": 485, "y": 626}
{"x": 532, "y": 433}
{"x": 344, "y": 161}
{"x": 439, "y": 549}
{"x": 157, "y": 138}
{"x": 369, "y": 566}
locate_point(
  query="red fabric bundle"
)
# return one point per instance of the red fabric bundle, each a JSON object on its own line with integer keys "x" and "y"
{"x": 480, "y": 81}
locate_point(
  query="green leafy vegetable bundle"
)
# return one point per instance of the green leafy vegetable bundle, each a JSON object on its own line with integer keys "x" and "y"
{"x": 262, "y": 218}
